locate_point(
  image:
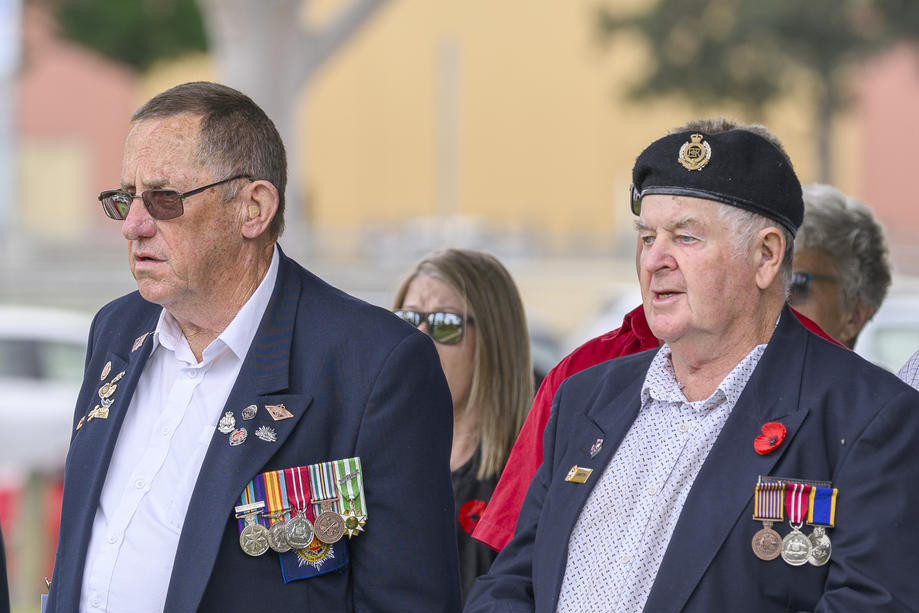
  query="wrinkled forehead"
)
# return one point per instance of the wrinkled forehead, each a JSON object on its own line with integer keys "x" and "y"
{"x": 666, "y": 210}
{"x": 161, "y": 150}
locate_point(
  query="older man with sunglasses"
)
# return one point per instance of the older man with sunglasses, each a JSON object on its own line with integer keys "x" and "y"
{"x": 247, "y": 438}
{"x": 745, "y": 465}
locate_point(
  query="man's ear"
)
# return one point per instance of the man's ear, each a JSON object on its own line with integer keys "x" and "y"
{"x": 770, "y": 249}
{"x": 260, "y": 201}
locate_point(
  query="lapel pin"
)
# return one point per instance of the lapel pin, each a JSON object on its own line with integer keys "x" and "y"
{"x": 238, "y": 437}
{"x": 267, "y": 434}
{"x": 226, "y": 424}
{"x": 139, "y": 341}
{"x": 578, "y": 474}
{"x": 249, "y": 412}
{"x": 596, "y": 447}
{"x": 278, "y": 412}
{"x": 106, "y": 370}
{"x": 772, "y": 436}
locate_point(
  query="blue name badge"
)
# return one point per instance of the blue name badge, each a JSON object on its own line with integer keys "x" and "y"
{"x": 313, "y": 561}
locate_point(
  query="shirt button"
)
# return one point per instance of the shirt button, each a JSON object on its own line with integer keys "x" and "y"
{"x": 96, "y": 603}
{"x": 193, "y": 373}
{"x": 625, "y": 558}
{"x": 166, "y": 430}
{"x": 112, "y": 539}
{"x": 682, "y": 428}
{"x": 139, "y": 484}
{"x": 652, "y": 491}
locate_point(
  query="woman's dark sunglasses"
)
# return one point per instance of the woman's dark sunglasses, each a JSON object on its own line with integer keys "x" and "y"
{"x": 800, "y": 286}
{"x": 446, "y": 328}
{"x": 162, "y": 204}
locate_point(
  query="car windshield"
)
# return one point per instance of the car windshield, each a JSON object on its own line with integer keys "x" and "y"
{"x": 41, "y": 359}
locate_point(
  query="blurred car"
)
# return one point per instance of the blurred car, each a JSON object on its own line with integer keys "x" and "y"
{"x": 42, "y": 352}
{"x": 892, "y": 336}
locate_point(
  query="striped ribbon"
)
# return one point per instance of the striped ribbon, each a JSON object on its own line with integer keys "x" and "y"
{"x": 822, "y": 508}
{"x": 322, "y": 484}
{"x": 274, "y": 485}
{"x": 769, "y": 499}
{"x": 298, "y": 492}
{"x": 350, "y": 482}
{"x": 797, "y": 499}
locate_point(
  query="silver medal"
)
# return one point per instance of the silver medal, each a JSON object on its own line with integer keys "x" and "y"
{"x": 226, "y": 423}
{"x": 254, "y": 539}
{"x": 821, "y": 547}
{"x": 299, "y": 531}
{"x": 796, "y": 547}
{"x": 277, "y": 537}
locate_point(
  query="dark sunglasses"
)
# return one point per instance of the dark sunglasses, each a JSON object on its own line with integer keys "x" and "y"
{"x": 446, "y": 328}
{"x": 801, "y": 285}
{"x": 162, "y": 204}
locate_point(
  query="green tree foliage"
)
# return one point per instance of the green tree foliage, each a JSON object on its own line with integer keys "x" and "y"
{"x": 135, "y": 32}
{"x": 746, "y": 51}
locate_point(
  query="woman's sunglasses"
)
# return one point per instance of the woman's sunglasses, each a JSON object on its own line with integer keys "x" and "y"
{"x": 800, "y": 286}
{"x": 446, "y": 328}
{"x": 162, "y": 204}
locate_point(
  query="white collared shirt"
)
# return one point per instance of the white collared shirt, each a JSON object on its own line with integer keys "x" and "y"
{"x": 622, "y": 533}
{"x": 157, "y": 458}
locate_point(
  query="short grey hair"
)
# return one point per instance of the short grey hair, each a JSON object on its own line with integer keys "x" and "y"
{"x": 844, "y": 228}
{"x": 745, "y": 224}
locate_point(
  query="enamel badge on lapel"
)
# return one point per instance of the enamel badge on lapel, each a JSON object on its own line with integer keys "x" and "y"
{"x": 596, "y": 447}
{"x": 773, "y": 433}
{"x": 106, "y": 370}
{"x": 139, "y": 341}
{"x": 227, "y": 423}
{"x": 578, "y": 474}
{"x": 267, "y": 434}
{"x": 249, "y": 412}
{"x": 278, "y": 412}
{"x": 695, "y": 155}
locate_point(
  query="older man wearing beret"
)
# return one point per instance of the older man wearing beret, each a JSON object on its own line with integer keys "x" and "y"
{"x": 746, "y": 464}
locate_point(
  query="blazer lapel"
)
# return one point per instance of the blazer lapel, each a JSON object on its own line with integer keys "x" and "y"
{"x": 226, "y": 470}
{"x": 607, "y": 420}
{"x": 725, "y": 484}
{"x": 91, "y": 449}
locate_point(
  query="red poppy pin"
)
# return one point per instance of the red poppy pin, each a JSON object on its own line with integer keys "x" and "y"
{"x": 470, "y": 513}
{"x": 772, "y": 436}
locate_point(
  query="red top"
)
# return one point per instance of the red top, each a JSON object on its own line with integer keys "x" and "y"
{"x": 496, "y": 526}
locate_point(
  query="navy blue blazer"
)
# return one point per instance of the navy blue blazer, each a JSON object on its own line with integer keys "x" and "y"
{"x": 359, "y": 382}
{"x": 847, "y": 421}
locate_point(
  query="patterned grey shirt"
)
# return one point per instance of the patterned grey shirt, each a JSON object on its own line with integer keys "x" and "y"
{"x": 624, "y": 529}
{"x": 910, "y": 371}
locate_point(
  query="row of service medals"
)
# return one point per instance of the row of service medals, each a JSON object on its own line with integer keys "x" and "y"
{"x": 305, "y": 508}
{"x": 798, "y": 501}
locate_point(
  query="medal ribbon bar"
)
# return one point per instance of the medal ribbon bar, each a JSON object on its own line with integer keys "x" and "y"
{"x": 768, "y": 502}
{"x": 350, "y": 482}
{"x": 822, "y": 508}
{"x": 248, "y": 497}
{"x": 322, "y": 484}
{"x": 797, "y": 499}
{"x": 298, "y": 492}
{"x": 274, "y": 486}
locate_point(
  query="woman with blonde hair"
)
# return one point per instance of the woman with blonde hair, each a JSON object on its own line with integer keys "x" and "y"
{"x": 468, "y": 303}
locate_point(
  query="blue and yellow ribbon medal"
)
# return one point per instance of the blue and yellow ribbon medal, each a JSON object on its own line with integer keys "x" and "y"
{"x": 768, "y": 507}
{"x": 350, "y": 482}
{"x": 821, "y": 514}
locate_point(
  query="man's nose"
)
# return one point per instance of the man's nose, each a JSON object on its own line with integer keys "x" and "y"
{"x": 138, "y": 223}
{"x": 656, "y": 256}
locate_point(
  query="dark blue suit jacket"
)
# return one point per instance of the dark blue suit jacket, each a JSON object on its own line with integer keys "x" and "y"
{"x": 359, "y": 382}
{"x": 847, "y": 422}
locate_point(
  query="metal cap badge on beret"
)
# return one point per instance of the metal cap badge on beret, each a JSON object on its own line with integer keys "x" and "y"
{"x": 736, "y": 167}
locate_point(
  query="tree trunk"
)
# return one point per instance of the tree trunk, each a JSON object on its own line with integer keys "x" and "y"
{"x": 266, "y": 50}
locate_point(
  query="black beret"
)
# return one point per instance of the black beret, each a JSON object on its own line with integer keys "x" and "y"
{"x": 737, "y": 167}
